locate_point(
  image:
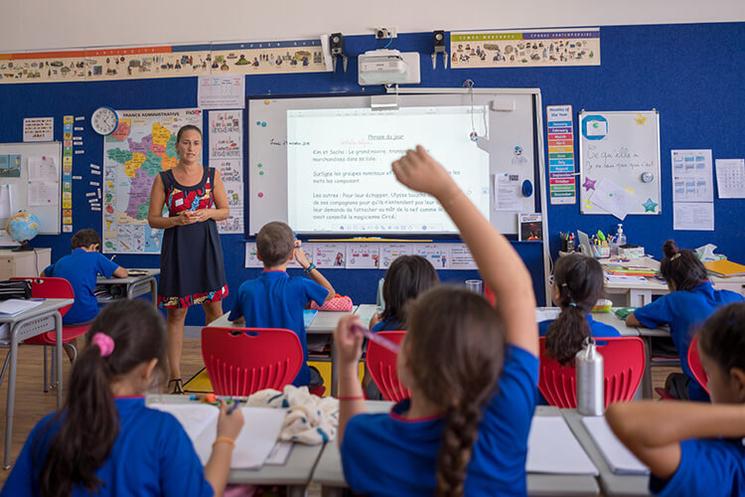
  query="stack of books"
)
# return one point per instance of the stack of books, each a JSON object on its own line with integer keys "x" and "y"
{"x": 725, "y": 268}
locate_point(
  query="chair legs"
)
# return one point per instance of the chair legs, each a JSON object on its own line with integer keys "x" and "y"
{"x": 44, "y": 378}
{"x": 5, "y": 367}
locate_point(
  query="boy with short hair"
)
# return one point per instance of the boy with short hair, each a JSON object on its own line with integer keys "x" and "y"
{"x": 80, "y": 268}
{"x": 275, "y": 299}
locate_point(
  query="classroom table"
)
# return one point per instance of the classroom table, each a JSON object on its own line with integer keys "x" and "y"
{"x": 135, "y": 286}
{"x": 324, "y": 323}
{"x": 25, "y": 325}
{"x": 328, "y": 472}
{"x": 640, "y": 293}
{"x": 612, "y": 484}
{"x": 295, "y": 473}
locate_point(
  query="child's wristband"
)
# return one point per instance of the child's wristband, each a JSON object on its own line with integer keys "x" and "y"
{"x": 309, "y": 268}
{"x": 350, "y": 397}
{"x": 224, "y": 440}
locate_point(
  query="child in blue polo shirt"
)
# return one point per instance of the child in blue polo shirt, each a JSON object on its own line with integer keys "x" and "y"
{"x": 695, "y": 449}
{"x": 692, "y": 299}
{"x": 80, "y": 268}
{"x": 105, "y": 441}
{"x": 276, "y": 300}
{"x": 472, "y": 371}
{"x": 406, "y": 278}
{"x": 578, "y": 284}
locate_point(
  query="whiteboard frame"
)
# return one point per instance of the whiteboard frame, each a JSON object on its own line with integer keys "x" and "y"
{"x": 47, "y": 214}
{"x": 582, "y": 162}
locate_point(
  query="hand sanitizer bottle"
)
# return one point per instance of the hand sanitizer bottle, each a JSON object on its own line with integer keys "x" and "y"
{"x": 620, "y": 236}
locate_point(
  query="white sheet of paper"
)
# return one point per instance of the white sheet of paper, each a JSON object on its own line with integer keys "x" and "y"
{"x": 618, "y": 457}
{"x": 38, "y": 129}
{"x": 6, "y": 202}
{"x": 612, "y": 278}
{"x": 42, "y": 193}
{"x": 692, "y": 179}
{"x": 610, "y": 197}
{"x": 43, "y": 168}
{"x": 222, "y": 92}
{"x": 693, "y": 216}
{"x": 546, "y": 313}
{"x": 256, "y": 440}
{"x": 507, "y": 192}
{"x": 730, "y": 178}
{"x": 552, "y": 448}
{"x": 11, "y": 307}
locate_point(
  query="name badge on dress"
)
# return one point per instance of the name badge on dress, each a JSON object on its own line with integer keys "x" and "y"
{"x": 178, "y": 202}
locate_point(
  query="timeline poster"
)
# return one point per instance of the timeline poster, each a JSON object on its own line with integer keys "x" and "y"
{"x": 561, "y": 178}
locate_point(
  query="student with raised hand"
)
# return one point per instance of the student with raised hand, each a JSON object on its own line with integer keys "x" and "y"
{"x": 691, "y": 448}
{"x": 692, "y": 299}
{"x": 105, "y": 441}
{"x": 578, "y": 284}
{"x": 472, "y": 371}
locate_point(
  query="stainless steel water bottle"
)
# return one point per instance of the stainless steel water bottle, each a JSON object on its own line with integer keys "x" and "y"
{"x": 589, "y": 367}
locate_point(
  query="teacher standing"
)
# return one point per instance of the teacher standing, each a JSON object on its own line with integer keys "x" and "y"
{"x": 191, "y": 261}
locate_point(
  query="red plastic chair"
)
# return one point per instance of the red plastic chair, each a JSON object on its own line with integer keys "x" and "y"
{"x": 489, "y": 296}
{"x": 381, "y": 363}
{"x": 694, "y": 363}
{"x": 241, "y": 361}
{"x": 623, "y": 361}
{"x": 54, "y": 288}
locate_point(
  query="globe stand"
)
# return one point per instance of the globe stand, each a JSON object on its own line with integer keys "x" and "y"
{"x": 25, "y": 246}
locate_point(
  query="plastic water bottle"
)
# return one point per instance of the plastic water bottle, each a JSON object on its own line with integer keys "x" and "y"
{"x": 589, "y": 369}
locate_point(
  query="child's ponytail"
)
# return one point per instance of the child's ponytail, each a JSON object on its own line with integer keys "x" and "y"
{"x": 681, "y": 268}
{"x": 125, "y": 335}
{"x": 579, "y": 282}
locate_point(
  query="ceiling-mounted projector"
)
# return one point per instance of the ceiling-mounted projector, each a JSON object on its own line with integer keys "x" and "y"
{"x": 388, "y": 67}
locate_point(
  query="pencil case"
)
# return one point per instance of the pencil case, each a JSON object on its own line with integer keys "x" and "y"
{"x": 338, "y": 303}
{"x": 602, "y": 305}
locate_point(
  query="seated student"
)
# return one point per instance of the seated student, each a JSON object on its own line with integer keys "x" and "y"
{"x": 578, "y": 284}
{"x": 406, "y": 278}
{"x": 105, "y": 441}
{"x": 276, "y": 300}
{"x": 472, "y": 371}
{"x": 695, "y": 449}
{"x": 692, "y": 299}
{"x": 80, "y": 268}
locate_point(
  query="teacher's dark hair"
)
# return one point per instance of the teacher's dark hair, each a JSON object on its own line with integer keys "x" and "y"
{"x": 89, "y": 421}
{"x": 188, "y": 127}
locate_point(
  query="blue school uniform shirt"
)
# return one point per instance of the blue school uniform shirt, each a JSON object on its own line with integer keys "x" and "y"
{"x": 80, "y": 268}
{"x": 598, "y": 329}
{"x": 714, "y": 468}
{"x": 684, "y": 311}
{"x": 276, "y": 300}
{"x": 151, "y": 456}
{"x": 387, "y": 325}
{"x": 388, "y": 455}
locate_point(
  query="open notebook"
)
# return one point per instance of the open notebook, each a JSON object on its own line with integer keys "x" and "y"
{"x": 619, "y": 458}
{"x": 553, "y": 449}
{"x": 254, "y": 444}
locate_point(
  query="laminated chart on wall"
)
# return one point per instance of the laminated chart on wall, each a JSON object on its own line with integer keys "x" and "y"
{"x": 226, "y": 155}
{"x": 620, "y": 163}
{"x": 143, "y": 145}
{"x": 561, "y": 177}
{"x": 527, "y": 48}
{"x": 115, "y": 63}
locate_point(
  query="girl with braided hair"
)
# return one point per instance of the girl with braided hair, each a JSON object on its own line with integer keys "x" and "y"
{"x": 472, "y": 371}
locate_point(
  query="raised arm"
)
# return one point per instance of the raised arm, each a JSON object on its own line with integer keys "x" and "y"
{"x": 302, "y": 258}
{"x": 653, "y": 430}
{"x": 500, "y": 266}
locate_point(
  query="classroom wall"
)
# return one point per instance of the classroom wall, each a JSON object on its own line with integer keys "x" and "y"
{"x": 44, "y": 24}
{"x": 692, "y": 74}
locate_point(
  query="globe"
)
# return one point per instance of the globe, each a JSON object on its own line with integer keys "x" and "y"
{"x": 22, "y": 227}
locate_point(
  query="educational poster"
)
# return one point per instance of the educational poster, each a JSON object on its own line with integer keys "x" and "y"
{"x": 143, "y": 145}
{"x": 38, "y": 129}
{"x": 436, "y": 253}
{"x": 561, "y": 178}
{"x": 275, "y": 57}
{"x": 390, "y": 252}
{"x": 330, "y": 255}
{"x": 10, "y": 166}
{"x": 460, "y": 257}
{"x": 692, "y": 176}
{"x": 363, "y": 256}
{"x": 226, "y": 155}
{"x": 221, "y": 92}
{"x": 529, "y": 48}
{"x": 67, "y": 133}
{"x": 730, "y": 178}
{"x": 619, "y": 163}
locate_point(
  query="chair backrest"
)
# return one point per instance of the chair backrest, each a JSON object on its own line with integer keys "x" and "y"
{"x": 623, "y": 366}
{"x": 381, "y": 363}
{"x": 489, "y": 296}
{"x": 241, "y": 361}
{"x": 694, "y": 363}
{"x": 49, "y": 287}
